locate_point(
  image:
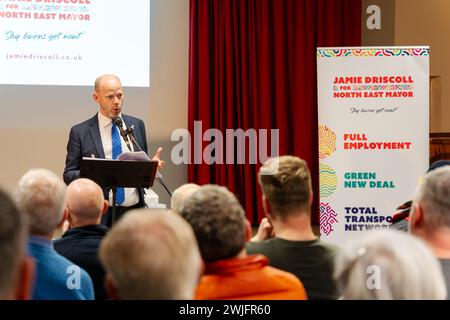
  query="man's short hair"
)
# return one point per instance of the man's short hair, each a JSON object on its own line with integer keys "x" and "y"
{"x": 433, "y": 195}
{"x": 180, "y": 195}
{"x": 41, "y": 195}
{"x": 13, "y": 229}
{"x": 289, "y": 187}
{"x": 218, "y": 221}
{"x": 152, "y": 254}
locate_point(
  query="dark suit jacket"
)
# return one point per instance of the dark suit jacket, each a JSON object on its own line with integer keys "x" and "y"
{"x": 85, "y": 141}
{"x": 80, "y": 245}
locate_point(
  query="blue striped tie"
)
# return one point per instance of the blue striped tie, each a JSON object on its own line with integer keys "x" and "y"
{"x": 116, "y": 150}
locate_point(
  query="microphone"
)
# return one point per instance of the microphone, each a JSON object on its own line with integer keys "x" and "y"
{"x": 124, "y": 133}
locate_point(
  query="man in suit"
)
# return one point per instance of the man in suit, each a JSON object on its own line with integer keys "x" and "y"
{"x": 95, "y": 138}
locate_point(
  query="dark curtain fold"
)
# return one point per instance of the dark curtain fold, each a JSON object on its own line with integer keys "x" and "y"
{"x": 252, "y": 64}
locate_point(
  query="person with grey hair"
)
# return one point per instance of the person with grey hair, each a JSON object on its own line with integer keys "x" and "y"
{"x": 152, "y": 256}
{"x": 430, "y": 215}
{"x": 222, "y": 230}
{"x": 79, "y": 244}
{"x": 180, "y": 195}
{"x": 389, "y": 265}
{"x": 40, "y": 194}
{"x": 16, "y": 268}
{"x": 401, "y": 216}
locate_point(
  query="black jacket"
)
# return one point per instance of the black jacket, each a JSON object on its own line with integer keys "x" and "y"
{"x": 80, "y": 245}
{"x": 85, "y": 140}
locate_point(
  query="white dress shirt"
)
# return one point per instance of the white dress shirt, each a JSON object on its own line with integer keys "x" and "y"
{"x": 105, "y": 126}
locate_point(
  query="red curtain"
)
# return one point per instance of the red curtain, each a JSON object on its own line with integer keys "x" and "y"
{"x": 252, "y": 64}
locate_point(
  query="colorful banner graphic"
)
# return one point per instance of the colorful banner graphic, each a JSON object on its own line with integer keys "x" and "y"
{"x": 373, "y": 135}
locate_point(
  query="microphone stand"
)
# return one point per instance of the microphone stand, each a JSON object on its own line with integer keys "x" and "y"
{"x": 158, "y": 177}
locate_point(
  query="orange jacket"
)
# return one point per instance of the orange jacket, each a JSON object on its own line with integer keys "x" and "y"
{"x": 248, "y": 278}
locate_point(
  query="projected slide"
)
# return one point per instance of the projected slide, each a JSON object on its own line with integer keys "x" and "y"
{"x": 71, "y": 42}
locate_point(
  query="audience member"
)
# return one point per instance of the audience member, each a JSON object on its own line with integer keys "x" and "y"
{"x": 60, "y": 230}
{"x": 389, "y": 265}
{"x": 16, "y": 269}
{"x": 221, "y": 229}
{"x": 86, "y": 205}
{"x": 401, "y": 216}
{"x": 151, "y": 254}
{"x": 180, "y": 195}
{"x": 287, "y": 198}
{"x": 430, "y": 216}
{"x": 41, "y": 195}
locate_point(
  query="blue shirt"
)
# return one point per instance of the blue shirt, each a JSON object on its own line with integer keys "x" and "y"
{"x": 56, "y": 277}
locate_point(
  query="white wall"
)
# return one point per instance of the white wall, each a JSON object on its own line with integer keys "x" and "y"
{"x": 419, "y": 22}
{"x": 169, "y": 83}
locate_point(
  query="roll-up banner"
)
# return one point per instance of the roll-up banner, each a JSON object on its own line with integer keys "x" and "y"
{"x": 373, "y": 135}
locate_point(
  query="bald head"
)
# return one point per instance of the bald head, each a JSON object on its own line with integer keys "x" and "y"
{"x": 104, "y": 79}
{"x": 181, "y": 194}
{"x": 85, "y": 202}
